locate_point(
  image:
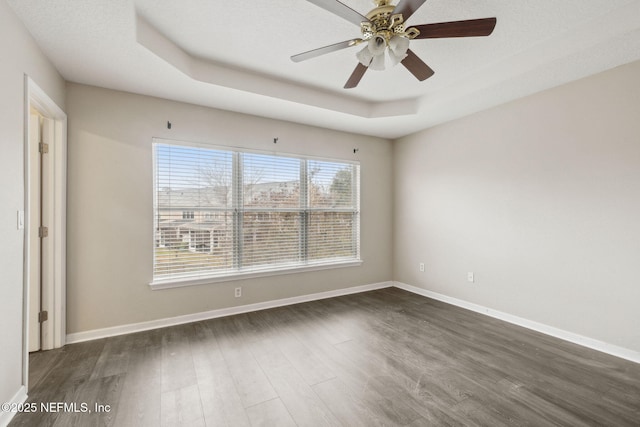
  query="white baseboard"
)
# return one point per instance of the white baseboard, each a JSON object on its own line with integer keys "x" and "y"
{"x": 19, "y": 398}
{"x": 601, "y": 346}
{"x": 594, "y": 344}
{"x": 188, "y": 318}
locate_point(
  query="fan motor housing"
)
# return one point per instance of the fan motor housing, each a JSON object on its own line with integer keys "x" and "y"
{"x": 380, "y": 15}
{"x": 383, "y": 23}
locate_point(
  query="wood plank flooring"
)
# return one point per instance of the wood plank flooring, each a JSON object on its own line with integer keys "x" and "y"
{"x": 381, "y": 358}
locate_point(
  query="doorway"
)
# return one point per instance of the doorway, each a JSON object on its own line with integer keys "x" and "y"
{"x": 44, "y": 223}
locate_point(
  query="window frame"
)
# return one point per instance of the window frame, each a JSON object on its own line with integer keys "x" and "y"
{"x": 238, "y": 195}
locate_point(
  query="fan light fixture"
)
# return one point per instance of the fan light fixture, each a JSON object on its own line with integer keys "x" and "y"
{"x": 384, "y": 29}
{"x": 372, "y": 55}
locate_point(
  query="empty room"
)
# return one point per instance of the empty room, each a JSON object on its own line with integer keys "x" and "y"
{"x": 319, "y": 213}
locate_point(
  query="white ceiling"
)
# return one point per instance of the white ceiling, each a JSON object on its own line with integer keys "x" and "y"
{"x": 234, "y": 55}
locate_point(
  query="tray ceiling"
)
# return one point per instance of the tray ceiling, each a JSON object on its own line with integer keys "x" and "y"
{"x": 235, "y": 55}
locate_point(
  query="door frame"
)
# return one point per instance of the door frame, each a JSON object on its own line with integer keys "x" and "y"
{"x": 55, "y": 297}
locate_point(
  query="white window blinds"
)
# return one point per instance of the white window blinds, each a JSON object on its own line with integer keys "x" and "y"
{"x": 221, "y": 212}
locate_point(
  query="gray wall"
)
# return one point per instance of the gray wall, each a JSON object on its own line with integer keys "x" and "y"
{"x": 19, "y": 55}
{"x": 110, "y": 211}
{"x": 540, "y": 198}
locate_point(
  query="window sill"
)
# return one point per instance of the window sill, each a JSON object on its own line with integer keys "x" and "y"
{"x": 182, "y": 282}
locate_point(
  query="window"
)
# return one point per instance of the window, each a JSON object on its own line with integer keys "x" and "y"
{"x": 224, "y": 213}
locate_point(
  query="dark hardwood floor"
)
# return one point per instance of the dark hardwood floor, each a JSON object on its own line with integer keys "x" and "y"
{"x": 381, "y": 358}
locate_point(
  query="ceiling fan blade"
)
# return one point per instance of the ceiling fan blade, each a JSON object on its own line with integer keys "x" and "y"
{"x": 340, "y": 9}
{"x": 416, "y": 66}
{"x": 407, "y": 7}
{"x": 324, "y": 50}
{"x": 469, "y": 28}
{"x": 355, "y": 76}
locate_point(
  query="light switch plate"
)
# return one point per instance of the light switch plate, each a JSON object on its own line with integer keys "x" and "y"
{"x": 20, "y": 220}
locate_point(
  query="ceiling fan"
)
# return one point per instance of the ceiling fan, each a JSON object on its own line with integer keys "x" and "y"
{"x": 383, "y": 29}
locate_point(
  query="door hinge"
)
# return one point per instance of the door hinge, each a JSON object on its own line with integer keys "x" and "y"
{"x": 43, "y": 232}
{"x": 43, "y": 316}
{"x": 43, "y": 148}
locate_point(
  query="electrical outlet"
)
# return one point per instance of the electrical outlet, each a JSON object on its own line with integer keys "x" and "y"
{"x": 238, "y": 292}
{"x": 422, "y": 267}
{"x": 470, "y": 277}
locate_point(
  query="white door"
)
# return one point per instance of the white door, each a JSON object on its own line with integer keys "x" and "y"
{"x": 34, "y": 239}
{"x": 40, "y": 214}
{"x": 47, "y": 253}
